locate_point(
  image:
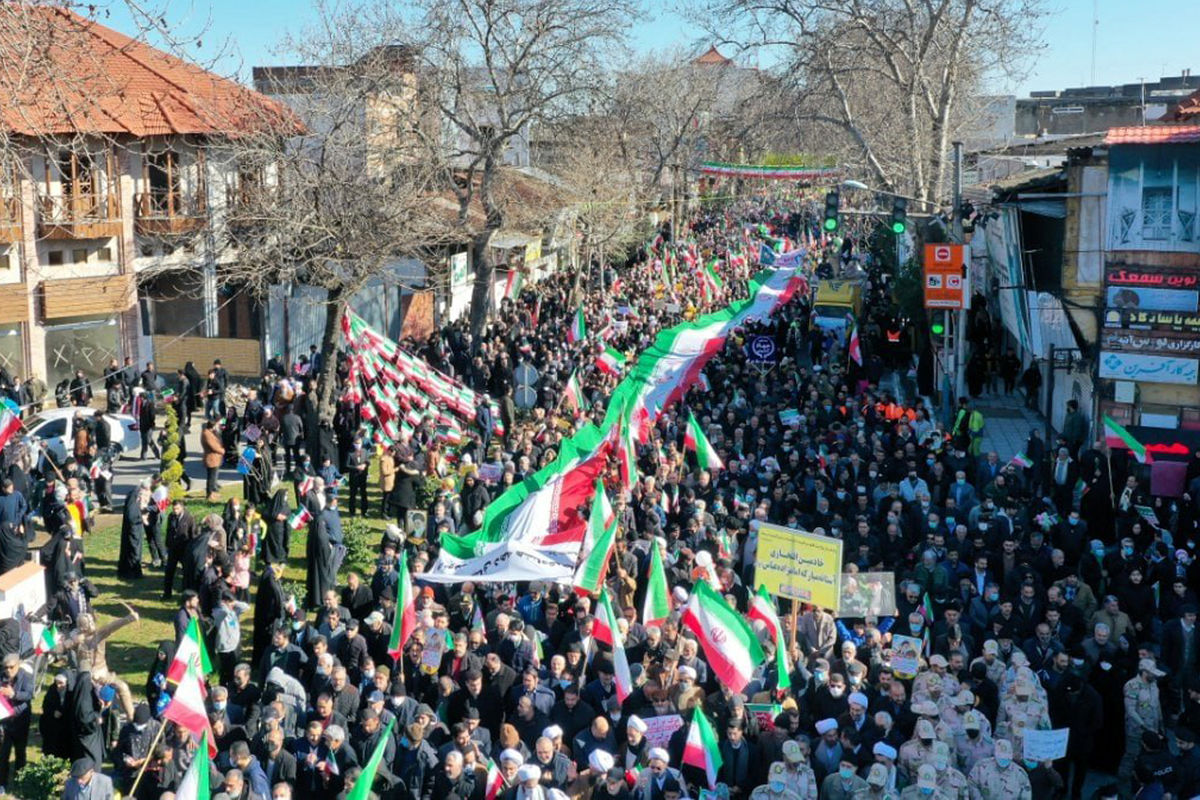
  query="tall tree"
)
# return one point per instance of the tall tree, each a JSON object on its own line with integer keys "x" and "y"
{"x": 498, "y": 69}
{"x": 337, "y": 197}
{"x": 890, "y": 76}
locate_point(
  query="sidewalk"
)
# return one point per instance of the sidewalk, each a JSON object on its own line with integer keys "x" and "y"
{"x": 1007, "y": 423}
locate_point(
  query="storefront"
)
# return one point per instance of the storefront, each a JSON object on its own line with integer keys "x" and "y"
{"x": 83, "y": 322}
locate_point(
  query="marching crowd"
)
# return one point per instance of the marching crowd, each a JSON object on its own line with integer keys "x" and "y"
{"x": 1044, "y": 600}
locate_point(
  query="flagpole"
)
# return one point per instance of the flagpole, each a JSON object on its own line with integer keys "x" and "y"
{"x": 146, "y": 761}
{"x": 1112, "y": 494}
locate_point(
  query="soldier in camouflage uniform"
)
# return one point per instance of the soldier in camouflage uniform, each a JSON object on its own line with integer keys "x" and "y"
{"x": 991, "y": 659}
{"x": 998, "y": 778}
{"x": 1023, "y": 710}
{"x": 798, "y": 775}
{"x": 925, "y": 787}
{"x": 776, "y": 787}
{"x": 917, "y": 750}
{"x": 952, "y": 784}
{"x": 976, "y": 744}
{"x": 930, "y": 710}
{"x": 1142, "y": 713}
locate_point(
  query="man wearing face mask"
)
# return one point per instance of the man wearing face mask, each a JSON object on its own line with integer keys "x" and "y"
{"x": 1074, "y": 704}
{"x": 975, "y": 743}
{"x": 917, "y": 750}
{"x": 843, "y": 784}
{"x": 133, "y": 745}
{"x": 951, "y": 783}
{"x": 998, "y": 778}
{"x": 1143, "y": 713}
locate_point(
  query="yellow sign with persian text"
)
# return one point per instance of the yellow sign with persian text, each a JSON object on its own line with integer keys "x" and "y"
{"x": 800, "y": 565}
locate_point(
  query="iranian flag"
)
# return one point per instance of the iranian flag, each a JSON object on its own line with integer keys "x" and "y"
{"x": 729, "y": 643}
{"x": 701, "y": 749}
{"x": 574, "y": 393}
{"x": 578, "y": 330}
{"x": 186, "y": 708}
{"x": 512, "y": 286}
{"x": 657, "y": 605}
{"x": 299, "y": 518}
{"x": 1022, "y": 460}
{"x": 494, "y": 783}
{"x": 695, "y": 440}
{"x": 190, "y": 655}
{"x": 762, "y": 607}
{"x": 161, "y": 497}
{"x": 611, "y": 361}
{"x": 854, "y": 345}
{"x": 366, "y": 778}
{"x": 406, "y": 611}
{"x": 6, "y": 709}
{"x": 1117, "y": 436}
{"x": 47, "y": 640}
{"x": 195, "y": 782}
{"x": 10, "y": 420}
{"x": 598, "y": 543}
{"x": 606, "y": 618}
{"x": 627, "y": 451}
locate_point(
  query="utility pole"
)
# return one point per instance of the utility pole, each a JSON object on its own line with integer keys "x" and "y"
{"x": 960, "y": 319}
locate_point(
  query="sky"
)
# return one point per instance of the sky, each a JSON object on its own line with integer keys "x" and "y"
{"x": 1135, "y": 40}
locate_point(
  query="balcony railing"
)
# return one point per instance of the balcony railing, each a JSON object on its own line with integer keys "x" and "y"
{"x": 84, "y": 215}
{"x": 168, "y": 213}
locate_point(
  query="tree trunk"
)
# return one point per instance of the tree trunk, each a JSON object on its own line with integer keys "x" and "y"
{"x": 481, "y": 292}
{"x": 335, "y": 307}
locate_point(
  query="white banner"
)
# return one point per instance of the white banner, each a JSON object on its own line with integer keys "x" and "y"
{"x": 1046, "y": 745}
{"x": 660, "y": 729}
{"x": 503, "y": 562}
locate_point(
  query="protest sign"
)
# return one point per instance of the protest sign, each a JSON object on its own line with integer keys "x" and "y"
{"x": 659, "y": 729}
{"x": 906, "y": 656}
{"x": 1046, "y": 745}
{"x": 867, "y": 594}
{"x": 799, "y": 565}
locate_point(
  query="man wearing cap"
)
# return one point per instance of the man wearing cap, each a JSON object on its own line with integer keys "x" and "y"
{"x": 776, "y": 787}
{"x": 85, "y": 783}
{"x": 951, "y": 783}
{"x": 416, "y": 762}
{"x": 878, "y": 787}
{"x": 798, "y": 775}
{"x": 925, "y": 786}
{"x": 1143, "y": 713}
{"x": 1024, "y": 710}
{"x": 133, "y": 744}
{"x": 998, "y": 778}
{"x": 918, "y": 750}
{"x": 975, "y": 744}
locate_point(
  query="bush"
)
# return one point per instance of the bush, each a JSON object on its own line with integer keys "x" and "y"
{"x": 361, "y": 550}
{"x": 171, "y": 468}
{"x": 427, "y": 491}
{"x": 41, "y": 779}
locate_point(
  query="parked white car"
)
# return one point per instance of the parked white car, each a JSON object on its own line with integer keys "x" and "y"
{"x": 56, "y": 428}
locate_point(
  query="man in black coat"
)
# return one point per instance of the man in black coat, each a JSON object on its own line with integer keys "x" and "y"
{"x": 1180, "y": 654}
{"x": 16, "y": 686}
{"x": 1074, "y": 704}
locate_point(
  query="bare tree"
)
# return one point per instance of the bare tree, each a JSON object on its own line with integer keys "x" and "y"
{"x": 336, "y": 196}
{"x": 497, "y": 69}
{"x": 889, "y": 76}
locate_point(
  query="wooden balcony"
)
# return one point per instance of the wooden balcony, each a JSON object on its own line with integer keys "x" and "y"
{"x": 10, "y": 220}
{"x": 168, "y": 214}
{"x": 79, "y": 216}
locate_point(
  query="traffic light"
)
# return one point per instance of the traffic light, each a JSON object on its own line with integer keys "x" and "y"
{"x": 937, "y": 322}
{"x": 831, "y": 212}
{"x": 899, "y": 215}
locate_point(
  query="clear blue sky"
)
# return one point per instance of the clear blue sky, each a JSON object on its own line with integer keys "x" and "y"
{"x": 1136, "y": 39}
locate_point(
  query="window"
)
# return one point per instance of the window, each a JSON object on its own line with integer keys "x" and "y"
{"x": 79, "y": 256}
{"x": 54, "y": 258}
{"x": 104, "y": 254}
{"x": 5, "y": 261}
{"x": 1156, "y": 212}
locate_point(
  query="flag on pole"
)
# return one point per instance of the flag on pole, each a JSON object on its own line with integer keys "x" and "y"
{"x": 611, "y": 361}
{"x": 299, "y": 518}
{"x": 195, "y": 782}
{"x": 47, "y": 640}
{"x": 578, "y": 330}
{"x": 494, "y": 783}
{"x": 762, "y": 607}
{"x": 731, "y": 647}
{"x": 406, "y": 611}
{"x": 161, "y": 497}
{"x": 1022, "y": 460}
{"x": 574, "y": 393}
{"x": 366, "y": 778}
{"x": 10, "y": 420}
{"x": 598, "y": 543}
{"x": 1116, "y": 436}
{"x": 186, "y": 708}
{"x": 695, "y": 440}
{"x": 606, "y": 618}
{"x": 702, "y": 749}
{"x": 657, "y": 605}
{"x": 854, "y": 345}
{"x": 191, "y": 654}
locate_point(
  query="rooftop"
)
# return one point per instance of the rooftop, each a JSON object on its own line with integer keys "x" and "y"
{"x": 713, "y": 57}
{"x": 1154, "y": 134}
{"x": 87, "y": 78}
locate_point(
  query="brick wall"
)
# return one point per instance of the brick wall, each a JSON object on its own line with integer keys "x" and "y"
{"x": 241, "y": 357}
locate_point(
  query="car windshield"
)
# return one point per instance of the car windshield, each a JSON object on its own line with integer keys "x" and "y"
{"x": 48, "y": 428}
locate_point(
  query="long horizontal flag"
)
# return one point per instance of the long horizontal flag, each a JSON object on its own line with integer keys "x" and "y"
{"x": 1116, "y": 436}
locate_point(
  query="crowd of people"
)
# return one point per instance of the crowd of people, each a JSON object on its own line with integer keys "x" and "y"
{"x": 1044, "y": 599}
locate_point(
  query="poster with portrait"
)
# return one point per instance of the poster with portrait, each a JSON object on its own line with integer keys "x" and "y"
{"x": 868, "y": 594}
{"x": 906, "y": 656}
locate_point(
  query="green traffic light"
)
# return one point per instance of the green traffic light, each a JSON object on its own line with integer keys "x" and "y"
{"x": 831, "y": 224}
{"x": 938, "y": 328}
{"x": 898, "y": 227}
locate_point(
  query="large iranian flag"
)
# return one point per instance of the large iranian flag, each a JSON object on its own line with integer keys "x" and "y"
{"x": 657, "y": 605}
{"x": 695, "y": 440}
{"x": 190, "y": 654}
{"x": 186, "y": 707}
{"x": 406, "y": 611}
{"x": 598, "y": 543}
{"x": 729, "y": 643}
{"x": 702, "y": 749}
{"x": 1116, "y": 436}
{"x": 578, "y": 330}
{"x": 762, "y": 607}
{"x": 611, "y": 361}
